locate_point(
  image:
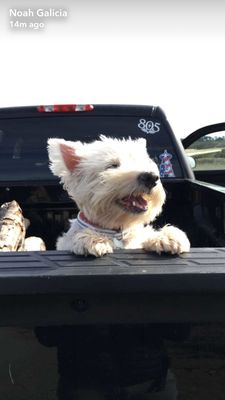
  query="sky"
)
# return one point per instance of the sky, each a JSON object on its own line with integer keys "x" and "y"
{"x": 168, "y": 53}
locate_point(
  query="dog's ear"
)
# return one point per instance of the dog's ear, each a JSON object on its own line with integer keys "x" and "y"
{"x": 70, "y": 158}
{"x": 63, "y": 156}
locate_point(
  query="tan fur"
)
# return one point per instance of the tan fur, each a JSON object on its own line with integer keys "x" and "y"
{"x": 96, "y": 187}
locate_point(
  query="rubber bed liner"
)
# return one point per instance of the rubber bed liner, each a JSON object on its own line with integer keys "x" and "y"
{"x": 123, "y": 271}
{"x": 59, "y": 288}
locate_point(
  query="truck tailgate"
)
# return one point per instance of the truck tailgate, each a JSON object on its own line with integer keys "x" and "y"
{"x": 54, "y": 288}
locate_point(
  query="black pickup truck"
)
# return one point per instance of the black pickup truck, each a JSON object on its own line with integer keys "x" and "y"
{"x": 110, "y": 317}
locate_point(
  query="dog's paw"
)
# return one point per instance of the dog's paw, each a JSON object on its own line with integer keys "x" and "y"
{"x": 169, "y": 240}
{"x": 86, "y": 242}
{"x": 100, "y": 249}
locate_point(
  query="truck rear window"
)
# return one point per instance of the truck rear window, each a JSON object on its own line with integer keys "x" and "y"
{"x": 23, "y": 154}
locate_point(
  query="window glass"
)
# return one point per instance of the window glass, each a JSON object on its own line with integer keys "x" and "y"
{"x": 23, "y": 141}
{"x": 208, "y": 152}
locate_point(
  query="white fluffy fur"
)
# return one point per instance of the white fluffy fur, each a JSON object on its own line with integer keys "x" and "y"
{"x": 96, "y": 187}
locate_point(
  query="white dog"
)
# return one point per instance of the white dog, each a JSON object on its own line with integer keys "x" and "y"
{"x": 118, "y": 191}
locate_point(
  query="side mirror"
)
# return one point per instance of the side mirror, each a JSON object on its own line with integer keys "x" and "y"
{"x": 191, "y": 162}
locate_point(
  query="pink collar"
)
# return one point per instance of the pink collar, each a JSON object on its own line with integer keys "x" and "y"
{"x": 84, "y": 222}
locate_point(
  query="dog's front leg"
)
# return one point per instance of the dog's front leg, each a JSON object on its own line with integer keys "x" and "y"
{"x": 85, "y": 242}
{"x": 169, "y": 239}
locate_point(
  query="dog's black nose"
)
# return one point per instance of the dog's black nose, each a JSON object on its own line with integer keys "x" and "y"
{"x": 148, "y": 179}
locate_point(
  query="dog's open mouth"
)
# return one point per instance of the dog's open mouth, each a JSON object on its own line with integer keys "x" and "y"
{"x": 133, "y": 204}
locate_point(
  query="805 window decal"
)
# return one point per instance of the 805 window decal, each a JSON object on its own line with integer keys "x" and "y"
{"x": 149, "y": 127}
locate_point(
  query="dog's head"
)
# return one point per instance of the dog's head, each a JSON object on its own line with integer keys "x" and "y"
{"x": 113, "y": 181}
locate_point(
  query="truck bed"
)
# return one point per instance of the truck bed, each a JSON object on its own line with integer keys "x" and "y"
{"x": 56, "y": 288}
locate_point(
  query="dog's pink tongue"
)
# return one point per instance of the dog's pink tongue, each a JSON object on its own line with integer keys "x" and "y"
{"x": 137, "y": 202}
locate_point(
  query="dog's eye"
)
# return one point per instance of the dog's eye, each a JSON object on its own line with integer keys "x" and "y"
{"x": 114, "y": 164}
